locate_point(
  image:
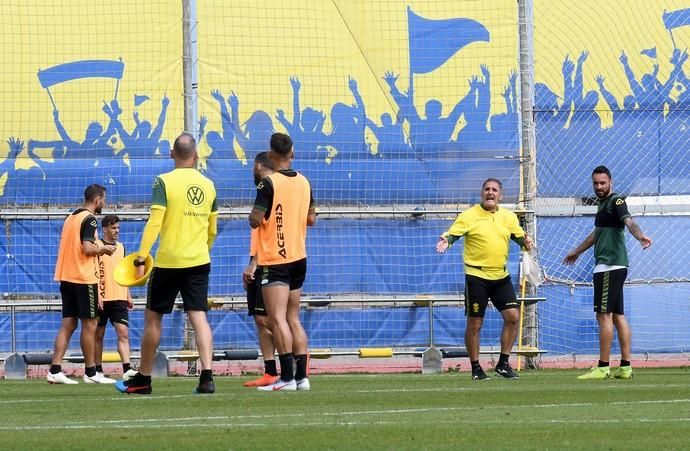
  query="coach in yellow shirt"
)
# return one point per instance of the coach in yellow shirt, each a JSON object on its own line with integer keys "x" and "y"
{"x": 184, "y": 212}
{"x": 488, "y": 230}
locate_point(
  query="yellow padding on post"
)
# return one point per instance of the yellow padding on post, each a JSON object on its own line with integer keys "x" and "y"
{"x": 187, "y": 356}
{"x": 111, "y": 357}
{"x": 320, "y": 353}
{"x": 528, "y": 351}
{"x": 423, "y": 300}
{"x": 365, "y": 353}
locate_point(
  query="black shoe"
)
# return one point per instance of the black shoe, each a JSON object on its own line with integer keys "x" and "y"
{"x": 506, "y": 372}
{"x": 134, "y": 386}
{"x": 205, "y": 387}
{"x": 479, "y": 375}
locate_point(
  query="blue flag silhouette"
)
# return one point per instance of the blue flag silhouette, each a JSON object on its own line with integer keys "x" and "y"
{"x": 80, "y": 69}
{"x": 649, "y": 52}
{"x": 677, "y": 18}
{"x": 433, "y": 42}
{"x": 139, "y": 99}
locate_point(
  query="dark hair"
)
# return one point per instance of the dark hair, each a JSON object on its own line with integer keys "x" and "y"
{"x": 491, "y": 179}
{"x": 109, "y": 220}
{"x": 184, "y": 146}
{"x": 602, "y": 170}
{"x": 93, "y": 191}
{"x": 281, "y": 144}
{"x": 263, "y": 159}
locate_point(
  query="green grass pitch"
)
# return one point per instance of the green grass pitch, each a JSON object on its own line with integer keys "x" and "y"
{"x": 546, "y": 409}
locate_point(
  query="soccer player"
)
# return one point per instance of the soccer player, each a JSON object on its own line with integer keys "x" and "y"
{"x": 184, "y": 212}
{"x": 263, "y": 167}
{"x": 488, "y": 230}
{"x": 610, "y": 271}
{"x": 282, "y": 210}
{"x": 77, "y": 271}
{"x": 114, "y": 301}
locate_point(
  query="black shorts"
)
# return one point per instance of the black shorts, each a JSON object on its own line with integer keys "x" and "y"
{"x": 608, "y": 291}
{"x": 255, "y": 300}
{"x": 115, "y": 311}
{"x": 79, "y": 300}
{"x": 291, "y": 274}
{"x": 166, "y": 283}
{"x": 479, "y": 291}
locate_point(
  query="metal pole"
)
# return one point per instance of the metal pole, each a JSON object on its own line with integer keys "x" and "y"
{"x": 528, "y": 160}
{"x": 190, "y": 57}
{"x": 13, "y": 325}
{"x": 431, "y": 323}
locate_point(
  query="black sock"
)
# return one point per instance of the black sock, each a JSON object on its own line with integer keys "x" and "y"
{"x": 54, "y": 369}
{"x": 206, "y": 375}
{"x": 286, "y": 367}
{"x": 270, "y": 367}
{"x": 99, "y": 368}
{"x": 126, "y": 367}
{"x": 90, "y": 371}
{"x": 603, "y": 363}
{"x": 625, "y": 362}
{"x": 475, "y": 365}
{"x": 503, "y": 359}
{"x": 301, "y": 362}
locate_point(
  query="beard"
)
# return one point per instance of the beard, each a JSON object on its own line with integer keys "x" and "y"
{"x": 257, "y": 179}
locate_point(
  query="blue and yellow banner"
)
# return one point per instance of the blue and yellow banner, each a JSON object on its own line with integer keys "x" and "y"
{"x": 612, "y": 88}
{"x": 91, "y": 92}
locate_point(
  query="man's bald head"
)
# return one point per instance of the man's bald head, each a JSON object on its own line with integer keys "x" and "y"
{"x": 184, "y": 147}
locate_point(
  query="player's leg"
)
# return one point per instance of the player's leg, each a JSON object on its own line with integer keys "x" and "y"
{"x": 276, "y": 293}
{"x": 266, "y": 345}
{"x": 624, "y": 335}
{"x": 602, "y": 308}
{"x": 624, "y": 371}
{"x": 98, "y": 347}
{"x": 276, "y": 296}
{"x": 87, "y": 305}
{"x": 194, "y": 291}
{"x": 503, "y": 297}
{"x": 122, "y": 332}
{"x": 203, "y": 336}
{"x": 476, "y": 301}
{"x": 120, "y": 320}
{"x": 300, "y": 345}
{"x": 257, "y": 310}
{"x": 268, "y": 350}
{"x": 299, "y": 341}
{"x": 150, "y": 340}
{"x": 99, "y": 337}
{"x": 87, "y": 340}
{"x": 67, "y": 328}
{"x": 511, "y": 319}
{"x": 164, "y": 285}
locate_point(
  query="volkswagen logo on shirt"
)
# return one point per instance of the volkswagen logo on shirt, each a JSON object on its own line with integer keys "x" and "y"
{"x": 195, "y": 195}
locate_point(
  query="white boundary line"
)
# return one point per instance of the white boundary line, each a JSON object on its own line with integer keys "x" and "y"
{"x": 204, "y": 421}
{"x": 479, "y": 387}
